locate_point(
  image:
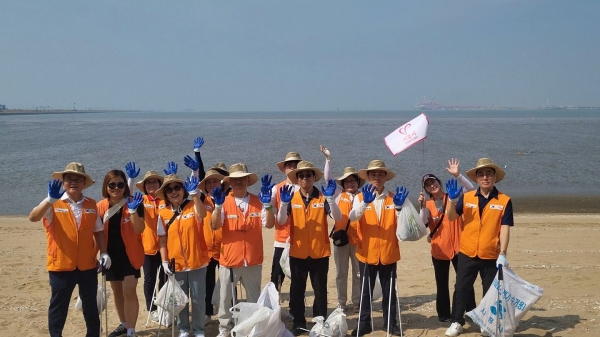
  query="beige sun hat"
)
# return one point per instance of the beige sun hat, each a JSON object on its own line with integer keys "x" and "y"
{"x": 304, "y": 165}
{"x": 240, "y": 170}
{"x": 291, "y": 156}
{"x": 221, "y": 168}
{"x": 171, "y": 178}
{"x": 348, "y": 171}
{"x": 148, "y": 175}
{"x": 376, "y": 165}
{"x": 74, "y": 168}
{"x": 483, "y": 163}
{"x": 209, "y": 175}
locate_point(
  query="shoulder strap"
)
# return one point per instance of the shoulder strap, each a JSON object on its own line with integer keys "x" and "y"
{"x": 176, "y": 213}
{"x": 441, "y": 218}
{"x": 114, "y": 210}
{"x": 347, "y": 226}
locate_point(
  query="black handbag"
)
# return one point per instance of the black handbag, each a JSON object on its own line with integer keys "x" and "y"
{"x": 340, "y": 238}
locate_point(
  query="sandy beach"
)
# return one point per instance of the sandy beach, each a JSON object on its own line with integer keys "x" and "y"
{"x": 557, "y": 252}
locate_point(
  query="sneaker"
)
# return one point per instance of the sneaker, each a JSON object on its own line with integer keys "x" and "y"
{"x": 132, "y": 335}
{"x": 119, "y": 331}
{"x": 485, "y": 333}
{"x": 454, "y": 330}
{"x": 207, "y": 319}
{"x": 223, "y": 332}
{"x": 184, "y": 334}
{"x": 364, "y": 329}
{"x": 200, "y": 334}
{"x": 395, "y": 330}
{"x": 298, "y": 330}
{"x": 154, "y": 316}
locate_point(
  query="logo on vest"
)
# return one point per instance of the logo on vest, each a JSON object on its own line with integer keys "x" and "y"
{"x": 254, "y": 214}
{"x": 498, "y": 207}
{"x": 208, "y": 207}
{"x": 296, "y": 206}
{"x": 232, "y": 216}
{"x": 469, "y": 205}
{"x": 148, "y": 206}
{"x": 90, "y": 211}
{"x": 318, "y": 205}
{"x": 389, "y": 207}
{"x": 161, "y": 206}
{"x": 61, "y": 210}
{"x": 187, "y": 216}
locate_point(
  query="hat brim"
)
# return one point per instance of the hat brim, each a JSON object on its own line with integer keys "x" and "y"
{"x": 292, "y": 174}
{"x": 88, "y": 180}
{"x": 160, "y": 193}
{"x": 253, "y": 178}
{"x": 202, "y": 184}
{"x": 281, "y": 164}
{"x": 340, "y": 180}
{"x": 472, "y": 173}
{"x": 140, "y": 184}
{"x": 389, "y": 175}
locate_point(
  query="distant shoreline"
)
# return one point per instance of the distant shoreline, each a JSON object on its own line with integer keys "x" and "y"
{"x": 13, "y": 112}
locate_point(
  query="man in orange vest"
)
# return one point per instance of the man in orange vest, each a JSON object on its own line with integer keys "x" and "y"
{"x": 378, "y": 212}
{"x": 488, "y": 216}
{"x": 309, "y": 238}
{"x": 74, "y": 232}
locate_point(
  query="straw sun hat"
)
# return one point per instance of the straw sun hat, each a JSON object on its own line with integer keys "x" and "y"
{"x": 304, "y": 165}
{"x": 74, "y": 168}
{"x": 376, "y": 165}
{"x": 220, "y": 168}
{"x": 148, "y": 175}
{"x": 483, "y": 163}
{"x": 240, "y": 170}
{"x": 171, "y": 178}
{"x": 348, "y": 171}
{"x": 291, "y": 156}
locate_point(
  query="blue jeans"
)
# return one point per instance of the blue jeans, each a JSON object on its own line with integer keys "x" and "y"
{"x": 193, "y": 283}
{"x": 62, "y": 284}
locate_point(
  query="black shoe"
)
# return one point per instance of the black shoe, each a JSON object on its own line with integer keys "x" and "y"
{"x": 298, "y": 330}
{"x": 444, "y": 319}
{"x": 119, "y": 331}
{"x": 364, "y": 329}
{"x": 395, "y": 331}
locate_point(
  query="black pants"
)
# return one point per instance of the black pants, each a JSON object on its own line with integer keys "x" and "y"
{"x": 387, "y": 278}
{"x": 62, "y": 284}
{"x": 442, "y": 299}
{"x": 151, "y": 264}
{"x": 277, "y": 274}
{"x": 316, "y": 269}
{"x": 211, "y": 272}
{"x": 468, "y": 268}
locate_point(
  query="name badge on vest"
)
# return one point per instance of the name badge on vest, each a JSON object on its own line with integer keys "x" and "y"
{"x": 208, "y": 207}
{"x": 161, "y": 206}
{"x": 254, "y": 214}
{"x": 368, "y": 208}
{"x": 389, "y": 207}
{"x": 469, "y": 205}
{"x": 187, "y": 216}
{"x": 232, "y": 216}
{"x": 148, "y": 206}
{"x": 61, "y": 210}
{"x": 318, "y": 205}
{"x": 127, "y": 219}
{"x": 345, "y": 200}
{"x": 90, "y": 211}
{"x": 296, "y": 206}
{"x": 498, "y": 207}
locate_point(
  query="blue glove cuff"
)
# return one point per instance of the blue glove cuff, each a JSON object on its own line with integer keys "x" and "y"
{"x": 51, "y": 200}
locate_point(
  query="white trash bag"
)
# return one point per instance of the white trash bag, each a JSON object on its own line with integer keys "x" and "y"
{"x": 171, "y": 297}
{"x": 284, "y": 261}
{"x": 377, "y": 291}
{"x": 505, "y": 303}
{"x": 334, "y": 326}
{"x": 410, "y": 227}
{"x": 164, "y": 317}
{"x": 100, "y": 300}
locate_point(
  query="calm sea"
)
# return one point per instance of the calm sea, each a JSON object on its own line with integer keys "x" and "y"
{"x": 544, "y": 152}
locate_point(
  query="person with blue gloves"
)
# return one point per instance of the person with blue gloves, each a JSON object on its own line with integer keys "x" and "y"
{"x": 73, "y": 231}
{"x": 487, "y": 217}
{"x": 310, "y": 248}
{"x": 378, "y": 211}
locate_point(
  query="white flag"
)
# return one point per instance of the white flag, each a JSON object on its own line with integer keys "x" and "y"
{"x": 407, "y": 135}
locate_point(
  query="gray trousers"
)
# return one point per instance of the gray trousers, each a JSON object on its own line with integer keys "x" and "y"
{"x": 193, "y": 283}
{"x": 250, "y": 278}
{"x": 341, "y": 255}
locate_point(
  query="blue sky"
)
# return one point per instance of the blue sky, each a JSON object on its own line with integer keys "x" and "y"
{"x": 297, "y": 55}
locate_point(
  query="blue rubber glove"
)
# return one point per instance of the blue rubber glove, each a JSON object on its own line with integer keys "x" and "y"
{"x": 191, "y": 184}
{"x": 330, "y": 190}
{"x": 219, "y": 196}
{"x": 171, "y": 168}
{"x": 453, "y": 190}
{"x": 266, "y": 180}
{"x": 131, "y": 171}
{"x": 198, "y": 142}
{"x": 191, "y": 163}
{"x": 285, "y": 193}
{"x": 265, "y": 198}
{"x": 134, "y": 202}
{"x": 400, "y": 196}
{"x": 501, "y": 261}
{"x": 368, "y": 192}
{"x": 55, "y": 190}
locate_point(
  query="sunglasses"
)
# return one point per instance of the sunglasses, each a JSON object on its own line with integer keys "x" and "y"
{"x": 74, "y": 180}
{"x": 305, "y": 176}
{"x": 113, "y": 186}
{"x": 176, "y": 188}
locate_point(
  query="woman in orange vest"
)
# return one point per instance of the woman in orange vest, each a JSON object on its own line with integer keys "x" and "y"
{"x": 444, "y": 236}
{"x": 123, "y": 226}
{"x": 181, "y": 238}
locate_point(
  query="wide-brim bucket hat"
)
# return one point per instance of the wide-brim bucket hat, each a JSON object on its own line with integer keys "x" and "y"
{"x": 376, "y": 165}
{"x": 169, "y": 179}
{"x": 349, "y": 171}
{"x": 291, "y": 156}
{"x": 240, "y": 170}
{"x": 304, "y": 165}
{"x": 149, "y": 175}
{"x": 221, "y": 168}
{"x": 210, "y": 174}
{"x": 483, "y": 163}
{"x": 74, "y": 168}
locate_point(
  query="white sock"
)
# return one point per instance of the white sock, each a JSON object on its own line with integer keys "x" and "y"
{"x": 130, "y": 331}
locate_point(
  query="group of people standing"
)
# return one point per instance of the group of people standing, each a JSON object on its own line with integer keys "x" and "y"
{"x": 210, "y": 225}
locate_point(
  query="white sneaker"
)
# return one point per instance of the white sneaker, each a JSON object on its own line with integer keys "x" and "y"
{"x": 184, "y": 334}
{"x": 454, "y": 330}
{"x": 223, "y": 332}
{"x": 199, "y": 335}
{"x": 485, "y": 333}
{"x": 154, "y": 316}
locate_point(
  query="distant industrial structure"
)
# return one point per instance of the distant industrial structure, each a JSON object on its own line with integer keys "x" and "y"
{"x": 2, "y": 107}
{"x": 431, "y": 104}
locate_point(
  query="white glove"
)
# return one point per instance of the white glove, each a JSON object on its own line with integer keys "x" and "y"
{"x": 105, "y": 261}
{"x": 165, "y": 265}
{"x": 502, "y": 260}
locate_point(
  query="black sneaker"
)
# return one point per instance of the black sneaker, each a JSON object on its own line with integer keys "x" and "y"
{"x": 119, "y": 331}
{"x": 298, "y": 330}
{"x": 364, "y": 329}
{"x": 395, "y": 331}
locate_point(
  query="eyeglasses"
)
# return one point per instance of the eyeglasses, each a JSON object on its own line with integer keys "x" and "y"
{"x": 350, "y": 181}
{"x": 176, "y": 188}
{"x": 485, "y": 174}
{"x": 74, "y": 180}
{"x": 305, "y": 176}
{"x": 119, "y": 185}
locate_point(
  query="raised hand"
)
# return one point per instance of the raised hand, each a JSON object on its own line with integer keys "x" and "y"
{"x": 218, "y": 195}
{"x": 131, "y": 171}
{"x": 325, "y": 152}
{"x": 421, "y": 199}
{"x": 266, "y": 180}
{"x": 265, "y": 196}
{"x": 55, "y": 190}
{"x": 105, "y": 261}
{"x": 453, "y": 167}
{"x": 286, "y": 192}
{"x": 198, "y": 142}
{"x": 171, "y": 168}
{"x": 368, "y": 192}
{"x": 452, "y": 189}
{"x": 400, "y": 196}
{"x": 330, "y": 190}
{"x": 191, "y": 184}
{"x": 191, "y": 163}
{"x": 134, "y": 202}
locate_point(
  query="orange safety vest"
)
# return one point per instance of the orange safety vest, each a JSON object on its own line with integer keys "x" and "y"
{"x": 445, "y": 242}
{"x": 345, "y": 205}
{"x": 69, "y": 247}
{"x": 213, "y": 238}
{"x": 242, "y": 234}
{"x": 282, "y": 232}
{"x": 149, "y": 236}
{"x": 132, "y": 241}
{"x": 309, "y": 231}
{"x": 379, "y": 243}
{"x": 481, "y": 236}
{"x": 185, "y": 238}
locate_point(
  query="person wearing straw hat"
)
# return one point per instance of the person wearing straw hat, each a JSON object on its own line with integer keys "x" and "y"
{"x": 241, "y": 215}
{"x": 487, "y": 217}
{"x": 310, "y": 249}
{"x": 74, "y": 232}
{"x": 344, "y": 248}
{"x": 378, "y": 211}
{"x": 444, "y": 236}
{"x": 181, "y": 238}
